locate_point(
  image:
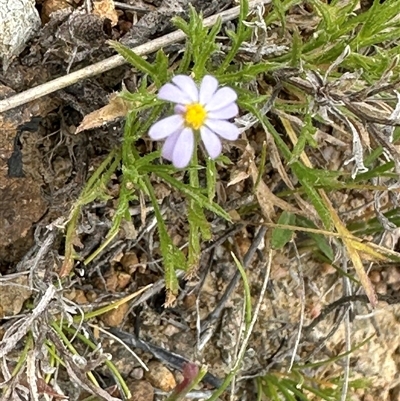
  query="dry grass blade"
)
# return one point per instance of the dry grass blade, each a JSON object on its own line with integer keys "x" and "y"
{"x": 352, "y": 251}
{"x": 350, "y": 244}
{"x": 77, "y": 373}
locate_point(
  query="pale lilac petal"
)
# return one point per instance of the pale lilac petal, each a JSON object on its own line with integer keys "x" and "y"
{"x": 183, "y": 149}
{"x": 225, "y": 113}
{"x": 179, "y": 109}
{"x": 224, "y": 129}
{"x": 187, "y": 86}
{"x": 169, "y": 145}
{"x": 173, "y": 94}
{"x": 220, "y": 106}
{"x": 211, "y": 142}
{"x": 208, "y": 88}
{"x": 222, "y": 97}
{"x": 165, "y": 127}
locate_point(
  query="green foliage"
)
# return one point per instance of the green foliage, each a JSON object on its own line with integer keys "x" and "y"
{"x": 201, "y": 43}
{"x": 320, "y": 241}
{"x": 158, "y": 71}
{"x": 306, "y": 137}
{"x": 281, "y": 236}
{"x": 237, "y": 38}
{"x": 372, "y": 38}
{"x": 137, "y": 169}
{"x": 296, "y": 386}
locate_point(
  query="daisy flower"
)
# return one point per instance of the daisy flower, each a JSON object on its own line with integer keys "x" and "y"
{"x": 204, "y": 109}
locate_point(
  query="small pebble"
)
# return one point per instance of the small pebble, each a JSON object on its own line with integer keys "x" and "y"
{"x": 114, "y": 317}
{"x": 160, "y": 376}
{"x": 141, "y": 391}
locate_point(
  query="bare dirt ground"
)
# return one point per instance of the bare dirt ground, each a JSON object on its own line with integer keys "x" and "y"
{"x": 44, "y": 166}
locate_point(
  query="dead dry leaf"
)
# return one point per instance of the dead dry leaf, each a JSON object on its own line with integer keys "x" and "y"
{"x": 238, "y": 176}
{"x": 306, "y": 208}
{"x": 116, "y": 108}
{"x": 265, "y": 197}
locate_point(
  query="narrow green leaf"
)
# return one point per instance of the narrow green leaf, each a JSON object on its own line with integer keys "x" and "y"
{"x": 290, "y": 385}
{"x": 181, "y": 24}
{"x": 308, "y": 186}
{"x": 137, "y": 61}
{"x": 186, "y": 58}
{"x": 280, "y": 10}
{"x": 281, "y": 236}
{"x": 326, "y": 11}
{"x": 262, "y": 164}
{"x": 319, "y": 239}
{"x": 306, "y": 137}
{"x": 161, "y": 66}
{"x": 211, "y": 173}
{"x": 247, "y": 73}
{"x": 194, "y": 194}
{"x": 243, "y": 32}
{"x": 270, "y": 390}
{"x": 287, "y": 395}
{"x": 297, "y": 47}
{"x": 197, "y": 226}
{"x": 172, "y": 257}
{"x": 299, "y": 148}
{"x": 247, "y": 292}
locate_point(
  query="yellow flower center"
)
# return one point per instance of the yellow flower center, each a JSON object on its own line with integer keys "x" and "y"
{"x": 195, "y": 115}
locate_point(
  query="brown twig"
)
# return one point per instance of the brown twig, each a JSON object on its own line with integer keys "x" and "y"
{"x": 170, "y": 358}
{"x": 216, "y": 313}
{"x": 113, "y": 62}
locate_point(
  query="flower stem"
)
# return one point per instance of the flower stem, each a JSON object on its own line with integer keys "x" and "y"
{"x": 195, "y": 211}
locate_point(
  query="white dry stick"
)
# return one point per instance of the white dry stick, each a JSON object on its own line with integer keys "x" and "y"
{"x": 302, "y": 306}
{"x": 346, "y": 53}
{"x": 254, "y": 318}
{"x": 259, "y": 25}
{"x": 9, "y": 342}
{"x": 358, "y": 152}
{"x": 129, "y": 349}
{"x": 87, "y": 385}
{"x": 31, "y": 374}
{"x": 388, "y": 130}
{"x": 114, "y": 61}
{"x": 347, "y": 291}
{"x": 386, "y": 223}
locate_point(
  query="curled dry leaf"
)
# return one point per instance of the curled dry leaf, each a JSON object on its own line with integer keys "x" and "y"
{"x": 265, "y": 197}
{"x": 117, "y": 108}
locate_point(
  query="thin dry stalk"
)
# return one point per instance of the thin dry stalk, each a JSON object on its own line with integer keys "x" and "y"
{"x": 114, "y": 61}
{"x": 302, "y": 306}
{"x": 256, "y": 311}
